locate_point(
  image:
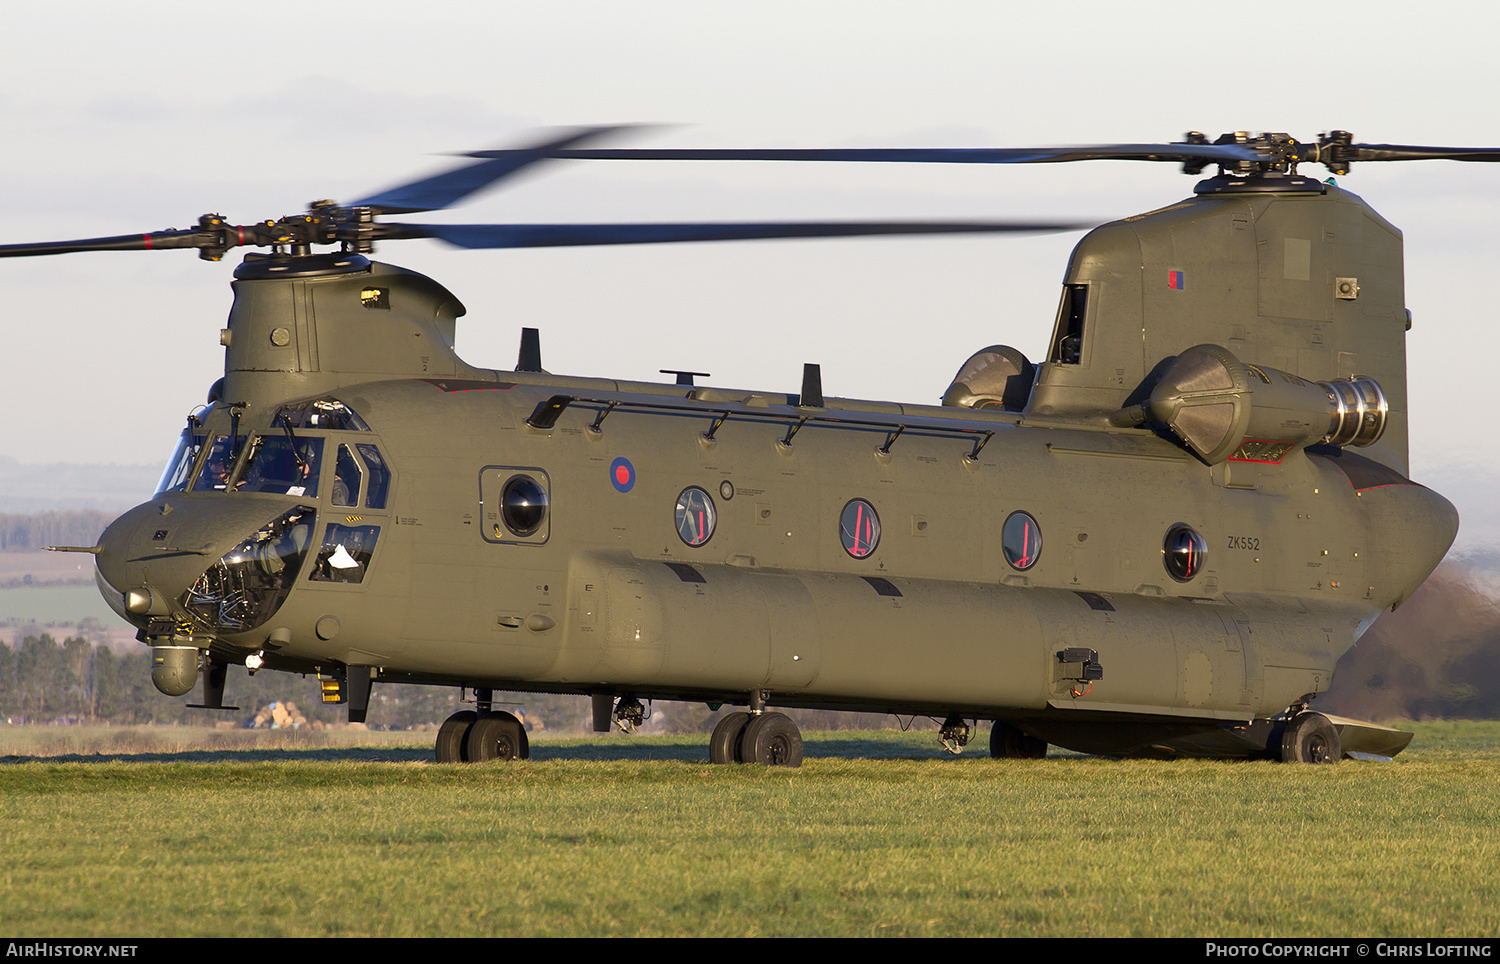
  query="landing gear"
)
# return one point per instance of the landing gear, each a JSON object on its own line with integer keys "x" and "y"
{"x": 1007, "y": 741}
{"x": 496, "y": 736}
{"x": 724, "y": 744}
{"x": 770, "y": 739}
{"x": 469, "y": 737}
{"x": 1310, "y": 738}
{"x": 450, "y": 738}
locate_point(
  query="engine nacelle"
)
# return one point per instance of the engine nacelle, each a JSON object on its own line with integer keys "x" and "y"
{"x": 1223, "y": 408}
{"x": 995, "y": 377}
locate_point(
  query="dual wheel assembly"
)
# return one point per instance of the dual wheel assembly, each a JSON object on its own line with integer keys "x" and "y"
{"x": 770, "y": 739}
{"x": 470, "y": 737}
{"x": 1009, "y": 742}
{"x": 1310, "y": 738}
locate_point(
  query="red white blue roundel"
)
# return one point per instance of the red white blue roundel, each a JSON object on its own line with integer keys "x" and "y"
{"x": 622, "y": 474}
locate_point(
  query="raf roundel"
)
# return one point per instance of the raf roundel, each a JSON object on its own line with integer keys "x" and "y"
{"x": 622, "y": 474}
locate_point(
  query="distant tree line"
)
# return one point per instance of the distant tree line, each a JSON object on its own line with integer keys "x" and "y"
{"x": 44, "y": 681}
{"x": 76, "y": 528}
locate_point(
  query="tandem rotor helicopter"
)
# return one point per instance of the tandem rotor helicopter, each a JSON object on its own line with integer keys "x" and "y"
{"x": 1155, "y": 541}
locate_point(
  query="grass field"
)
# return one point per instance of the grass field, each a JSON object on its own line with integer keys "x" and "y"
{"x": 108, "y": 833}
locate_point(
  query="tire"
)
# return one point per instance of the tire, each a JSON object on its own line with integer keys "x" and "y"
{"x": 452, "y": 736}
{"x": 495, "y": 736}
{"x": 772, "y": 739}
{"x": 1010, "y": 743}
{"x": 521, "y": 727}
{"x": 724, "y": 744}
{"x": 1310, "y": 738}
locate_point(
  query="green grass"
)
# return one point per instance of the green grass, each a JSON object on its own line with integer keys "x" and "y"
{"x": 878, "y": 834}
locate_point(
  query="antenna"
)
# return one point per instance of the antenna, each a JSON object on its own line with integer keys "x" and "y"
{"x": 530, "y": 359}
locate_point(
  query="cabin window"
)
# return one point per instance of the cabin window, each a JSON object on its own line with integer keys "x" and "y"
{"x": 859, "y": 528}
{"x": 1183, "y": 552}
{"x": 1067, "y": 340}
{"x": 695, "y": 516}
{"x": 515, "y": 505}
{"x": 523, "y": 505}
{"x": 1021, "y": 538}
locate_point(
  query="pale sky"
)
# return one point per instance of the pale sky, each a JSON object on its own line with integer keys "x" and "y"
{"x": 121, "y": 119}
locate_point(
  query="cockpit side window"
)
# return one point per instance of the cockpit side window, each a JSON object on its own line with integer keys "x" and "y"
{"x": 345, "y": 554}
{"x": 284, "y": 465}
{"x": 380, "y": 476}
{"x": 179, "y": 468}
{"x": 346, "y": 478}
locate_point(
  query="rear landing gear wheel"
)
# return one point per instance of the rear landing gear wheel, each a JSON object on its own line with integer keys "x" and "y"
{"x": 451, "y": 736}
{"x": 497, "y": 736}
{"x": 772, "y": 739}
{"x": 724, "y": 745}
{"x": 1008, "y": 742}
{"x": 1310, "y": 738}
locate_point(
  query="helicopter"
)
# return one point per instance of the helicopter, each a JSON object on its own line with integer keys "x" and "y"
{"x": 1157, "y": 541}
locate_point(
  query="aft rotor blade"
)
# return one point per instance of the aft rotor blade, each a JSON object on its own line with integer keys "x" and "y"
{"x": 441, "y": 190}
{"x": 573, "y": 235}
{"x": 1417, "y": 152}
{"x": 1179, "y": 153}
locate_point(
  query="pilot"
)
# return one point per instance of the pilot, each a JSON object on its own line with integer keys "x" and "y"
{"x": 215, "y": 474}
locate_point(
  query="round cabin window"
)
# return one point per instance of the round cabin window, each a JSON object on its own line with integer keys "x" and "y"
{"x": 695, "y": 516}
{"x": 1021, "y": 538}
{"x": 859, "y": 528}
{"x": 1183, "y": 552}
{"x": 523, "y": 505}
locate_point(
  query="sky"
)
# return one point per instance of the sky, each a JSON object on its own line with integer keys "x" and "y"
{"x": 122, "y": 119}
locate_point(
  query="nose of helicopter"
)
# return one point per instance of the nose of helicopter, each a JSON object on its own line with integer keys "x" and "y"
{"x": 152, "y": 556}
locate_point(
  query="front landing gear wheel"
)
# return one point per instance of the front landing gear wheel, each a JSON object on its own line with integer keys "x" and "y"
{"x": 1310, "y": 738}
{"x": 1007, "y": 741}
{"x": 724, "y": 745}
{"x": 497, "y": 736}
{"x": 451, "y": 736}
{"x": 772, "y": 739}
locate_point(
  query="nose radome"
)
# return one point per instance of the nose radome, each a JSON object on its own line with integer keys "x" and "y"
{"x": 156, "y": 549}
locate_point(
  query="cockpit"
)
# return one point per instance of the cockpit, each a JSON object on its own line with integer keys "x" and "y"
{"x": 308, "y": 454}
{"x": 285, "y": 461}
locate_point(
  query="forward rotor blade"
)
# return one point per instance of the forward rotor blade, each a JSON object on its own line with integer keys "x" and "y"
{"x": 572, "y": 235}
{"x": 442, "y": 190}
{"x": 922, "y": 155}
{"x": 123, "y": 242}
